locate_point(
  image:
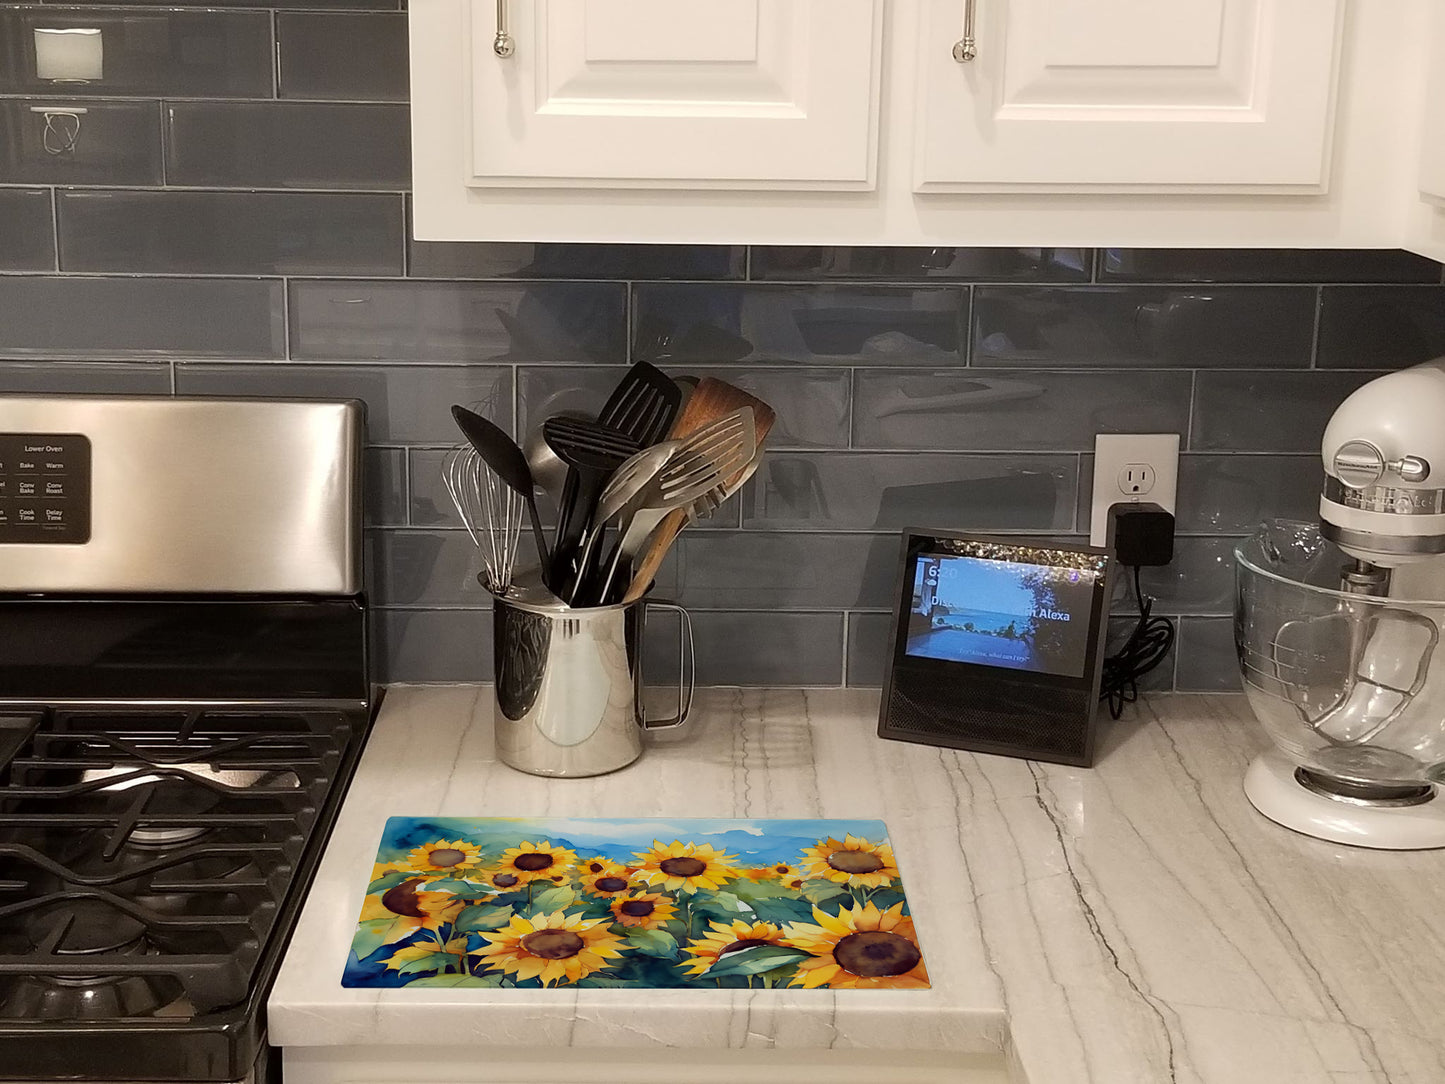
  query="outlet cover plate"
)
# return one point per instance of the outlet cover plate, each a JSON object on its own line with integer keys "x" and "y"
{"x": 1115, "y": 451}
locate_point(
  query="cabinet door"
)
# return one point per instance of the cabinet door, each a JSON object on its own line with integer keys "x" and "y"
{"x": 676, "y": 94}
{"x": 1128, "y": 95}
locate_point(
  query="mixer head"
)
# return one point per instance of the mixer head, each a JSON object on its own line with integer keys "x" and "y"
{"x": 1384, "y": 455}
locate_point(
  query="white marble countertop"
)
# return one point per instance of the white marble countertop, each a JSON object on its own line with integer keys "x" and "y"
{"x": 1137, "y": 922}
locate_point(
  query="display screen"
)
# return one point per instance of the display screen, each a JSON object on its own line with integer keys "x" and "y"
{"x": 1003, "y": 613}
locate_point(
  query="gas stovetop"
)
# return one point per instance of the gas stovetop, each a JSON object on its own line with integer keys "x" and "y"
{"x": 146, "y": 859}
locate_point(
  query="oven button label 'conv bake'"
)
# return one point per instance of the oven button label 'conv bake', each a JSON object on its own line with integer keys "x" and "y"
{"x": 44, "y": 488}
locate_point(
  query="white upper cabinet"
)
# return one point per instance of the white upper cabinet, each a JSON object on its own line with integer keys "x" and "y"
{"x": 1128, "y": 95}
{"x": 696, "y": 94}
{"x": 1253, "y": 123}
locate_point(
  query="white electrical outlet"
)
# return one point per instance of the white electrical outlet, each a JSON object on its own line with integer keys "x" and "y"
{"x": 1132, "y": 467}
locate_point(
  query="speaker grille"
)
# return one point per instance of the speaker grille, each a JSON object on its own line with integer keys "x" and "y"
{"x": 1002, "y": 716}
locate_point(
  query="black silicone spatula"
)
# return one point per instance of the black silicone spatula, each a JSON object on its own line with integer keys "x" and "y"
{"x": 643, "y": 405}
{"x": 592, "y": 452}
{"x": 500, "y": 452}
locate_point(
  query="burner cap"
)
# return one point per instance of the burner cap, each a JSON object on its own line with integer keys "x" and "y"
{"x": 91, "y": 928}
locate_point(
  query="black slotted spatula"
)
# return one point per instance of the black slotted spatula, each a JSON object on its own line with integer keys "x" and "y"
{"x": 643, "y": 405}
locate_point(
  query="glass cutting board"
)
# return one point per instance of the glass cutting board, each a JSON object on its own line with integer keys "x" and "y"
{"x": 706, "y": 904}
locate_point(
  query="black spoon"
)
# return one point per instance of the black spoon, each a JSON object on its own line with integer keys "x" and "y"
{"x": 500, "y": 452}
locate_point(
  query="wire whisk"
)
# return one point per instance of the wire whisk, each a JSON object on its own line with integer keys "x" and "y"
{"x": 491, "y": 510}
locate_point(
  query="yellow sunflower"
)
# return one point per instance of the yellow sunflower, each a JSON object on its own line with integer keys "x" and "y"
{"x": 611, "y": 880}
{"x": 411, "y": 910}
{"x": 536, "y": 862}
{"x": 859, "y": 948}
{"x": 853, "y": 862}
{"x": 685, "y": 867}
{"x": 728, "y": 937}
{"x": 646, "y": 909}
{"x": 780, "y": 871}
{"x": 556, "y": 947}
{"x": 444, "y": 857}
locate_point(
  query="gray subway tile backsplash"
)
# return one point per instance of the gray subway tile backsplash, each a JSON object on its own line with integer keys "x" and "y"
{"x": 1200, "y": 579}
{"x": 829, "y": 491}
{"x": 232, "y": 218}
{"x": 94, "y": 377}
{"x": 344, "y": 56}
{"x": 27, "y": 230}
{"x": 1109, "y": 327}
{"x": 120, "y": 317}
{"x": 1264, "y": 265}
{"x": 722, "y": 323}
{"x": 451, "y": 321}
{"x": 868, "y": 648}
{"x": 1017, "y": 410}
{"x": 1232, "y": 494}
{"x": 386, "y": 501}
{"x": 506, "y": 259}
{"x": 110, "y": 143}
{"x": 1207, "y": 660}
{"x": 405, "y": 404}
{"x": 1267, "y": 412}
{"x": 148, "y": 53}
{"x": 331, "y": 145}
{"x": 896, "y": 264}
{"x": 431, "y": 645}
{"x": 230, "y": 233}
{"x": 1381, "y": 327}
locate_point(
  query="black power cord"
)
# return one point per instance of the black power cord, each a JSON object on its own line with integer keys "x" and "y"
{"x": 1145, "y": 649}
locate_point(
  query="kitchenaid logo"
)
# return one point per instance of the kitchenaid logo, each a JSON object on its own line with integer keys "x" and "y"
{"x": 1050, "y": 615}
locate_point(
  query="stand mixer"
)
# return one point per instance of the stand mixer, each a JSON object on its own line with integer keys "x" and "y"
{"x": 1338, "y": 627}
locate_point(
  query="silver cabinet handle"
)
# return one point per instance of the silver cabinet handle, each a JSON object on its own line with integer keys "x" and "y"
{"x": 966, "y": 47}
{"x": 502, "y": 44}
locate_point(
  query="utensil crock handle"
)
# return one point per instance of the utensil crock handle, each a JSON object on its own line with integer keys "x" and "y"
{"x": 687, "y": 677}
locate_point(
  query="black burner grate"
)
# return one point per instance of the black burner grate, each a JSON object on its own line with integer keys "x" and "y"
{"x": 145, "y": 856}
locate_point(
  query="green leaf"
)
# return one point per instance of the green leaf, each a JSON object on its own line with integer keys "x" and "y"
{"x": 391, "y": 880}
{"x": 782, "y": 911}
{"x": 652, "y": 942}
{"x": 553, "y": 899}
{"x": 458, "y": 887}
{"x": 823, "y": 891}
{"x": 458, "y": 980}
{"x": 375, "y": 932}
{"x": 432, "y": 961}
{"x": 755, "y": 960}
{"x": 769, "y": 888}
{"x": 481, "y": 917}
{"x": 726, "y": 901}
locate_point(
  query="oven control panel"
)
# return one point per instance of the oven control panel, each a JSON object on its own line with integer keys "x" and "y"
{"x": 44, "y": 488}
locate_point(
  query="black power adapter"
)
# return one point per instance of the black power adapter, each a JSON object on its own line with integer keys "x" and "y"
{"x": 1139, "y": 534}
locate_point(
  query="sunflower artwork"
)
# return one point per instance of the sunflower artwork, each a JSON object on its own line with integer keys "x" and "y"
{"x": 705, "y": 904}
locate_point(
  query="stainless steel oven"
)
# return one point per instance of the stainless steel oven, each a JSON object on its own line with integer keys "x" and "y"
{"x": 184, "y": 693}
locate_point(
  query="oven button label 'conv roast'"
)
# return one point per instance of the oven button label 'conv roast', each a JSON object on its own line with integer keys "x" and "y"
{"x": 44, "y": 488}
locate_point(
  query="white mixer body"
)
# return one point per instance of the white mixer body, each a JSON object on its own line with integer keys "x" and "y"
{"x": 1384, "y": 459}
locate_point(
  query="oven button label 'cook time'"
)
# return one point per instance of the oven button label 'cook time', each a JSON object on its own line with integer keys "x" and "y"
{"x": 44, "y": 488}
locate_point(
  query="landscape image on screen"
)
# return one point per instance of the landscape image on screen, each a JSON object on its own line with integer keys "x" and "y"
{"x": 1000, "y": 613}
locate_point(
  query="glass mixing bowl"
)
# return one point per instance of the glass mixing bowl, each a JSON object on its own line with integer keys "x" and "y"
{"x": 1351, "y": 687}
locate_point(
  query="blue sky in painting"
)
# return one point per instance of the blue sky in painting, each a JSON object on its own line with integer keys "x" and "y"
{"x": 755, "y": 842}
